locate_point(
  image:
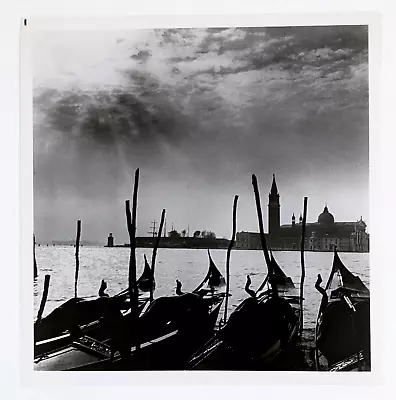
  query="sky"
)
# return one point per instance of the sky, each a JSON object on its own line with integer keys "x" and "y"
{"x": 198, "y": 111}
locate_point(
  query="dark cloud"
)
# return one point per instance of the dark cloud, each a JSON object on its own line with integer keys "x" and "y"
{"x": 330, "y": 49}
{"x": 139, "y": 113}
{"x": 308, "y": 38}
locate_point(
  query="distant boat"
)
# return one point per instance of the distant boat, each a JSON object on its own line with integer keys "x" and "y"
{"x": 146, "y": 282}
{"x": 343, "y": 324}
{"x": 214, "y": 280}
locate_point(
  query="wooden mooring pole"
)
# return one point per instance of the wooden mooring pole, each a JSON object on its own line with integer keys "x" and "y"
{"x": 304, "y": 223}
{"x": 132, "y": 256}
{"x": 35, "y": 272}
{"x": 44, "y": 297}
{"x": 77, "y": 257}
{"x": 262, "y": 235}
{"x": 131, "y": 225}
{"x": 230, "y": 246}
{"x": 154, "y": 256}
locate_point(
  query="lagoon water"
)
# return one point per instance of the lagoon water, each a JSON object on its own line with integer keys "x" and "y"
{"x": 189, "y": 266}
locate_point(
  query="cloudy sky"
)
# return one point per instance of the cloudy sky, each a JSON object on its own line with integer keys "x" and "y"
{"x": 199, "y": 111}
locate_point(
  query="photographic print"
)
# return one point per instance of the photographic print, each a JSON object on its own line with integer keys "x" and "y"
{"x": 201, "y": 199}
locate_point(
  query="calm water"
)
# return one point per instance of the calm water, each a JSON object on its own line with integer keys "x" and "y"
{"x": 189, "y": 266}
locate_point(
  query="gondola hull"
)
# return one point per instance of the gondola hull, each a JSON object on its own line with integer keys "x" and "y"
{"x": 94, "y": 329}
{"x": 342, "y": 337}
{"x": 168, "y": 348}
{"x": 254, "y": 340}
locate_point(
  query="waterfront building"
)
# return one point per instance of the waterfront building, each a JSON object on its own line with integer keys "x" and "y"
{"x": 321, "y": 235}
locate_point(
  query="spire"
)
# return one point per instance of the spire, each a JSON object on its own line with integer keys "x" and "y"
{"x": 274, "y": 188}
{"x": 273, "y": 208}
{"x": 274, "y": 194}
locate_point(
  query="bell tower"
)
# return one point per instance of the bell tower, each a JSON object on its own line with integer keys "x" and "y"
{"x": 273, "y": 209}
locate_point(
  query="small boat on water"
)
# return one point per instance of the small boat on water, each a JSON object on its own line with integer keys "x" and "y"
{"x": 146, "y": 282}
{"x": 257, "y": 331}
{"x": 262, "y": 326}
{"x": 168, "y": 332}
{"x": 214, "y": 280}
{"x": 78, "y": 316}
{"x": 343, "y": 325}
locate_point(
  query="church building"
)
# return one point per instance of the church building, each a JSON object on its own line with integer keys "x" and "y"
{"x": 321, "y": 235}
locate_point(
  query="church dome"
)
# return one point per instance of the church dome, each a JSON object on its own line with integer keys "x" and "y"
{"x": 326, "y": 217}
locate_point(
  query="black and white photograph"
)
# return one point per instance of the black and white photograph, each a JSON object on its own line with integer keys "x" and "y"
{"x": 201, "y": 199}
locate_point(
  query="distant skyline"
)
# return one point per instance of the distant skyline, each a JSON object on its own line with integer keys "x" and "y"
{"x": 198, "y": 111}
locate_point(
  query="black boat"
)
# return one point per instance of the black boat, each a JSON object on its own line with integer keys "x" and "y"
{"x": 343, "y": 325}
{"x": 214, "y": 280}
{"x": 257, "y": 331}
{"x": 167, "y": 333}
{"x": 146, "y": 282}
{"x": 79, "y": 316}
{"x": 263, "y": 325}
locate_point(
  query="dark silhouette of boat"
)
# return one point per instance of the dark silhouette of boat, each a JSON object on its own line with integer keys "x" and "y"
{"x": 263, "y": 325}
{"x": 78, "y": 316}
{"x": 146, "y": 282}
{"x": 214, "y": 280}
{"x": 343, "y": 325}
{"x": 259, "y": 329}
{"x": 168, "y": 332}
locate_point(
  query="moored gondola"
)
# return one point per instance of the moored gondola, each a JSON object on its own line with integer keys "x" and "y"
{"x": 258, "y": 330}
{"x": 180, "y": 323}
{"x": 79, "y": 316}
{"x": 167, "y": 333}
{"x": 146, "y": 282}
{"x": 261, "y": 327}
{"x": 342, "y": 338}
{"x": 212, "y": 282}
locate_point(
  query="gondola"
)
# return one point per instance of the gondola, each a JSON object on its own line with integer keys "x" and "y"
{"x": 342, "y": 334}
{"x": 79, "y": 316}
{"x": 263, "y": 325}
{"x": 146, "y": 283}
{"x": 167, "y": 333}
{"x": 257, "y": 331}
{"x": 214, "y": 280}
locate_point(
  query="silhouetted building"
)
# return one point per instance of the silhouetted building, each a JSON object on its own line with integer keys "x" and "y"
{"x": 273, "y": 209}
{"x": 110, "y": 240}
{"x": 249, "y": 240}
{"x": 182, "y": 243}
{"x": 319, "y": 236}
